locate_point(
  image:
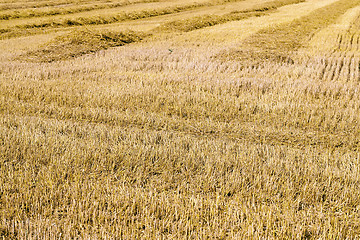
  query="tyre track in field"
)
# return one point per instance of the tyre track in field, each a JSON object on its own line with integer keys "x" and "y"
{"x": 333, "y": 55}
{"x": 342, "y": 67}
{"x": 280, "y": 44}
{"x": 340, "y": 59}
{"x": 339, "y": 66}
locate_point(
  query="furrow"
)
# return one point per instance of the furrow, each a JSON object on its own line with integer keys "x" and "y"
{"x": 340, "y": 41}
{"x": 356, "y": 69}
{"x": 339, "y": 67}
{"x": 345, "y": 71}
{"x": 328, "y": 71}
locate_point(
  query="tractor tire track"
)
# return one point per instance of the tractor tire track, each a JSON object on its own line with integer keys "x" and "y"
{"x": 340, "y": 62}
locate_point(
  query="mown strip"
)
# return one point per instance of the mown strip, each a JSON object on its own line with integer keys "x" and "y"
{"x": 211, "y": 20}
{"x": 80, "y": 42}
{"x": 35, "y": 12}
{"x": 199, "y": 22}
{"x": 94, "y": 20}
{"x": 277, "y": 43}
{"x": 24, "y": 5}
{"x": 71, "y": 46}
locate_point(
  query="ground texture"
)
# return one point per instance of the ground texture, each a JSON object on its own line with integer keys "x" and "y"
{"x": 175, "y": 119}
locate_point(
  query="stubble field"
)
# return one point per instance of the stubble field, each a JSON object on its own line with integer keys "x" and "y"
{"x": 175, "y": 119}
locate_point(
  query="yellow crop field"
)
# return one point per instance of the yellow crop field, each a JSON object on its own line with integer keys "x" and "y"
{"x": 180, "y": 119}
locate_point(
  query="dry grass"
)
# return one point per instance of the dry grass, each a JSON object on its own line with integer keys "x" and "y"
{"x": 158, "y": 140}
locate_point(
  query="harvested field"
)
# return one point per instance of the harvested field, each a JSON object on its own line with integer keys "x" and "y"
{"x": 219, "y": 119}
